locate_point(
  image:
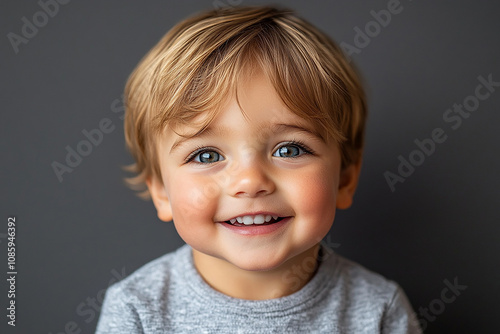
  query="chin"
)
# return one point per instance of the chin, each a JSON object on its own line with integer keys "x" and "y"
{"x": 257, "y": 263}
{"x": 256, "y": 267}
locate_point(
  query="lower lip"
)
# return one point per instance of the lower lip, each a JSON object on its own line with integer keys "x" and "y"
{"x": 251, "y": 230}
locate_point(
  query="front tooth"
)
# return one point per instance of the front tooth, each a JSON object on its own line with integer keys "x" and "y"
{"x": 259, "y": 219}
{"x": 275, "y": 217}
{"x": 232, "y": 221}
{"x": 268, "y": 218}
{"x": 247, "y": 220}
{"x": 239, "y": 220}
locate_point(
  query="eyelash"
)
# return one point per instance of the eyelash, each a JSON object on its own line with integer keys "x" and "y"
{"x": 298, "y": 143}
{"x": 198, "y": 150}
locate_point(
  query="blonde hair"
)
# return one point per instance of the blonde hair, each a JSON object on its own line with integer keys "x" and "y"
{"x": 197, "y": 64}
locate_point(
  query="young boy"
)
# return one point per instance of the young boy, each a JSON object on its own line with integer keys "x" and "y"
{"x": 247, "y": 126}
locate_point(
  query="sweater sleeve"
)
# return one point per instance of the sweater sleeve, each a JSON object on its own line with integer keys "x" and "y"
{"x": 399, "y": 316}
{"x": 117, "y": 314}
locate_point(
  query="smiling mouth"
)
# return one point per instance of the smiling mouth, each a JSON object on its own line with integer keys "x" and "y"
{"x": 257, "y": 220}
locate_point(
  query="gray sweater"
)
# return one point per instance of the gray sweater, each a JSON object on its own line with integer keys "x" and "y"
{"x": 169, "y": 296}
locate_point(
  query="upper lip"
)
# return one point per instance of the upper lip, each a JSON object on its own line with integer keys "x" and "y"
{"x": 264, "y": 213}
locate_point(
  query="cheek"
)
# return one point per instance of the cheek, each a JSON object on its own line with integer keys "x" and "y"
{"x": 190, "y": 196}
{"x": 194, "y": 202}
{"x": 314, "y": 196}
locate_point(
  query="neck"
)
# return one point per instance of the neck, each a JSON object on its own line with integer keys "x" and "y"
{"x": 230, "y": 280}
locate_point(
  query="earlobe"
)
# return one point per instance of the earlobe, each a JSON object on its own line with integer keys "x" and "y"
{"x": 160, "y": 199}
{"x": 348, "y": 182}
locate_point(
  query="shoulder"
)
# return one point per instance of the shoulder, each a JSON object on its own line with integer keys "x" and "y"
{"x": 353, "y": 278}
{"x": 368, "y": 297}
{"x": 151, "y": 280}
{"x": 140, "y": 298}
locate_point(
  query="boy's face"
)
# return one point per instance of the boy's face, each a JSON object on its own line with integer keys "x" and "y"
{"x": 251, "y": 164}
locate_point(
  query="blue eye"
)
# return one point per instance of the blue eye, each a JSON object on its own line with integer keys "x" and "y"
{"x": 289, "y": 151}
{"x": 207, "y": 157}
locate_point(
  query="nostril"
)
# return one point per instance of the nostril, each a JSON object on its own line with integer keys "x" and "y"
{"x": 251, "y": 182}
{"x": 253, "y": 193}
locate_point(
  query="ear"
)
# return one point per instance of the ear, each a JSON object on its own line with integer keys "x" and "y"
{"x": 160, "y": 199}
{"x": 348, "y": 182}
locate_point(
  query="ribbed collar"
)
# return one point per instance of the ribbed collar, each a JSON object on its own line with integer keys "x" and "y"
{"x": 304, "y": 299}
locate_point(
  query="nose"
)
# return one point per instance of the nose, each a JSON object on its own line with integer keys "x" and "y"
{"x": 250, "y": 179}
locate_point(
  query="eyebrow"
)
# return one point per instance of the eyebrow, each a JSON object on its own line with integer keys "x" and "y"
{"x": 201, "y": 133}
{"x": 214, "y": 130}
{"x": 295, "y": 127}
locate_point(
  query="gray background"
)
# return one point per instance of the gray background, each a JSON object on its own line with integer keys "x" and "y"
{"x": 74, "y": 236}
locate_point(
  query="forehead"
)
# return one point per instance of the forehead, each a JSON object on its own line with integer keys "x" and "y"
{"x": 253, "y": 103}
